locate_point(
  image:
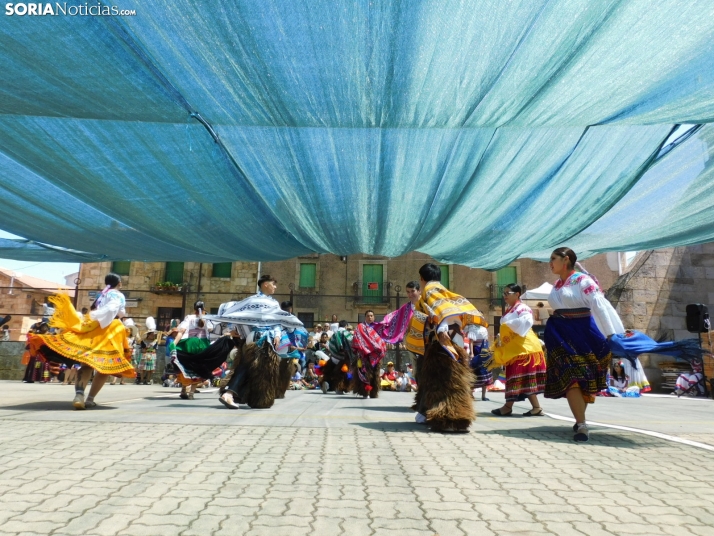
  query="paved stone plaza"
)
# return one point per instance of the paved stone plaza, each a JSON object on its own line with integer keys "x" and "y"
{"x": 147, "y": 463}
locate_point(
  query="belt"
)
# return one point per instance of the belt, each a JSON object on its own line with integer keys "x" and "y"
{"x": 581, "y": 312}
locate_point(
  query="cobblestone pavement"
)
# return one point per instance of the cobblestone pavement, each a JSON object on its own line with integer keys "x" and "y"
{"x": 367, "y": 470}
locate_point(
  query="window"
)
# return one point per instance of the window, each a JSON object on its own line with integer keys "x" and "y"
{"x": 372, "y": 283}
{"x": 445, "y": 275}
{"x": 504, "y": 276}
{"x": 214, "y": 310}
{"x": 222, "y": 269}
{"x": 174, "y": 272}
{"x": 308, "y": 272}
{"x": 308, "y": 319}
{"x": 165, "y": 315}
{"x": 121, "y": 267}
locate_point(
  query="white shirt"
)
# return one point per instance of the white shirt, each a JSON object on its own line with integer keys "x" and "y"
{"x": 581, "y": 291}
{"x": 519, "y": 318}
{"x": 110, "y": 304}
{"x": 191, "y": 329}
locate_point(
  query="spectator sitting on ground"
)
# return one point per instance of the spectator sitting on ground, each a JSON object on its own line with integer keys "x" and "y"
{"x": 170, "y": 381}
{"x": 389, "y": 378}
{"x": 402, "y": 382}
{"x": 311, "y": 380}
{"x": 296, "y": 381}
{"x": 691, "y": 384}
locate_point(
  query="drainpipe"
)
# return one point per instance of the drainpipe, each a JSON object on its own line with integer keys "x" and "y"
{"x": 256, "y": 280}
{"x": 198, "y": 286}
{"x": 12, "y": 281}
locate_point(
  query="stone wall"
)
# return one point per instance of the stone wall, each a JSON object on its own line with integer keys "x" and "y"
{"x": 652, "y": 296}
{"x": 10, "y": 356}
{"x": 143, "y": 276}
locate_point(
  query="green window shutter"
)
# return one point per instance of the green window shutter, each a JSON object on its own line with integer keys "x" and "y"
{"x": 121, "y": 267}
{"x": 308, "y": 272}
{"x": 372, "y": 276}
{"x": 174, "y": 272}
{"x": 221, "y": 269}
{"x": 506, "y": 276}
{"x": 445, "y": 275}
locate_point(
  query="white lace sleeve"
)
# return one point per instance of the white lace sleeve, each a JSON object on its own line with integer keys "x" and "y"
{"x": 105, "y": 313}
{"x": 606, "y": 318}
{"x": 522, "y": 323}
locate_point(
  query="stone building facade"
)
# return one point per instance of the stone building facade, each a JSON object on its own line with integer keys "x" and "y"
{"x": 145, "y": 286}
{"x": 341, "y": 286}
{"x": 652, "y": 297}
{"x": 319, "y": 285}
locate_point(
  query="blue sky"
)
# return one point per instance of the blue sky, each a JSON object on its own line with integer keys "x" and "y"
{"x": 50, "y": 271}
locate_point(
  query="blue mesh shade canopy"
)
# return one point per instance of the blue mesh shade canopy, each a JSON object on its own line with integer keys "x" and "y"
{"x": 476, "y": 132}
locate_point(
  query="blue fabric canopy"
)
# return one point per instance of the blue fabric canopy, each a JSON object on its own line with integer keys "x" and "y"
{"x": 476, "y": 131}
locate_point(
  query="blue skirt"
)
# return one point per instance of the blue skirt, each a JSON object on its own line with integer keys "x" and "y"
{"x": 576, "y": 354}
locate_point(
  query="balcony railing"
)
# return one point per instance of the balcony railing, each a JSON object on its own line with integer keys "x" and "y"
{"x": 497, "y": 301}
{"x": 171, "y": 282}
{"x": 368, "y": 296}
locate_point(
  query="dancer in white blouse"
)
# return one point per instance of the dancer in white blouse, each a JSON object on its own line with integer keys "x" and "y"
{"x": 578, "y": 352}
{"x": 520, "y": 352}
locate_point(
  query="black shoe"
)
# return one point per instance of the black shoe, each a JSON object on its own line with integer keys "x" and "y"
{"x": 582, "y": 435}
{"x": 183, "y": 396}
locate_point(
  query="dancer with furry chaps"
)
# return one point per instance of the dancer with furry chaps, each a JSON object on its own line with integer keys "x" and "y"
{"x": 336, "y": 375}
{"x": 445, "y": 380}
{"x": 256, "y": 378}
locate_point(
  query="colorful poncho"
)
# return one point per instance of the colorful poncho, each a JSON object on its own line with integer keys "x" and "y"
{"x": 393, "y": 327}
{"x": 341, "y": 345}
{"x": 367, "y": 343}
{"x": 439, "y": 304}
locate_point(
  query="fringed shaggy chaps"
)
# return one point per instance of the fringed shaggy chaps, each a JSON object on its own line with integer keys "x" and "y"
{"x": 445, "y": 389}
{"x": 336, "y": 379}
{"x": 255, "y": 375}
{"x": 288, "y": 368}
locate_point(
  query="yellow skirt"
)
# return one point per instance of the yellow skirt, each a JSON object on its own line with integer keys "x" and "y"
{"x": 512, "y": 347}
{"x": 106, "y": 350}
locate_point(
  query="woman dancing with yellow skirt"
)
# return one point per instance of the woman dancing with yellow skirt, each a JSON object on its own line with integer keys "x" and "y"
{"x": 97, "y": 341}
{"x": 520, "y": 352}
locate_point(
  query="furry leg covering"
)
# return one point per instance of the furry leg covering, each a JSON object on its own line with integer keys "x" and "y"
{"x": 445, "y": 389}
{"x": 335, "y": 378}
{"x": 288, "y": 368}
{"x": 255, "y": 375}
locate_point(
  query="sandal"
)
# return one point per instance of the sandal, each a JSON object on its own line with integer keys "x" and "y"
{"x": 500, "y": 413}
{"x": 535, "y": 412}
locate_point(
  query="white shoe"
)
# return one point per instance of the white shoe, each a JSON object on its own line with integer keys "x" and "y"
{"x": 78, "y": 401}
{"x": 420, "y": 419}
{"x": 227, "y": 400}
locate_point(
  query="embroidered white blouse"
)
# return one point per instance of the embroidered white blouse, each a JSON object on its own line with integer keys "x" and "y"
{"x": 519, "y": 318}
{"x": 109, "y": 306}
{"x": 580, "y": 290}
{"x": 191, "y": 328}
